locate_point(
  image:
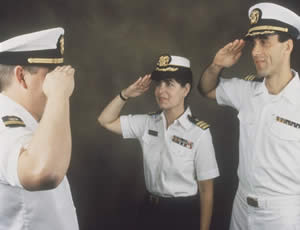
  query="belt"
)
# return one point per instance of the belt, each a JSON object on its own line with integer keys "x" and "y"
{"x": 156, "y": 200}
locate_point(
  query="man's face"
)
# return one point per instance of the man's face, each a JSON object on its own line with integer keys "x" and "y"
{"x": 268, "y": 55}
{"x": 35, "y": 89}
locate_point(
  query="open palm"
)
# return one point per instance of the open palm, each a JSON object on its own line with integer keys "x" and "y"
{"x": 229, "y": 54}
{"x": 140, "y": 86}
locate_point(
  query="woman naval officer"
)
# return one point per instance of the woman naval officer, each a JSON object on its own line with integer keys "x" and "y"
{"x": 179, "y": 158}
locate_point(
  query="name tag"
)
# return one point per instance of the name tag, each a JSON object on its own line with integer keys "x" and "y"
{"x": 152, "y": 132}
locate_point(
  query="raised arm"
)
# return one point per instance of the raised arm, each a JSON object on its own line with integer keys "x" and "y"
{"x": 44, "y": 163}
{"x": 225, "y": 58}
{"x": 110, "y": 116}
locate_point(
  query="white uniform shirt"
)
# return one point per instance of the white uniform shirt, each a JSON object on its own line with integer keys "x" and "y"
{"x": 174, "y": 158}
{"x": 269, "y": 145}
{"x": 19, "y": 208}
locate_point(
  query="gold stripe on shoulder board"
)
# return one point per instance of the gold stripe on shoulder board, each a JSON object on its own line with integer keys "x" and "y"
{"x": 202, "y": 124}
{"x": 250, "y": 77}
{"x": 6, "y": 123}
{"x": 199, "y": 123}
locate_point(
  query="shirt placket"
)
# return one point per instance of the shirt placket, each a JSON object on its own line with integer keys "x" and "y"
{"x": 266, "y": 109}
{"x": 164, "y": 150}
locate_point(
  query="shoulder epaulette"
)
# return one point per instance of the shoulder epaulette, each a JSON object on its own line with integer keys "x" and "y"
{"x": 253, "y": 77}
{"x": 154, "y": 113}
{"x": 13, "y": 121}
{"x": 201, "y": 124}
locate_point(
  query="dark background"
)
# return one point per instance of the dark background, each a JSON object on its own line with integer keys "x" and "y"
{"x": 111, "y": 43}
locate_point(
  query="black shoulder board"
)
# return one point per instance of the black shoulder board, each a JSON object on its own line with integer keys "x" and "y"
{"x": 154, "y": 113}
{"x": 202, "y": 124}
{"x": 253, "y": 77}
{"x": 13, "y": 121}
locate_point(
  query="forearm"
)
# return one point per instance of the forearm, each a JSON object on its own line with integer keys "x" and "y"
{"x": 206, "y": 203}
{"x": 46, "y": 160}
{"x": 111, "y": 112}
{"x": 110, "y": 116}
{"x": 209, "y": 79}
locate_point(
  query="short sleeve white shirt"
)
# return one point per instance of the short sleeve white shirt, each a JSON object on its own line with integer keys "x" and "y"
{"x": 174, "y": 158}
{"x": 19, "y": 208}
{"x": 269, "y": 145}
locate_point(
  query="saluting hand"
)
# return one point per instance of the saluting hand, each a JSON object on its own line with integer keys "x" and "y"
{"x": 229, "y": 54}
{"x": 59, "y": 82}
{"x": 140, "y": 86}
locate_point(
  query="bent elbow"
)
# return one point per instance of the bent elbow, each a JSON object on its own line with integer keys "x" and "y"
{"x": 201, "y": 91}
{"x": 50, "y": 181}
{"x": 43, "y": 181}
{"x": 101, "y": 121}
{"x": 211, "y": 94}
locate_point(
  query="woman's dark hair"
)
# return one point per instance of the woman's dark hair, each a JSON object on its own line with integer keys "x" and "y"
{"x": 182, "y": 77}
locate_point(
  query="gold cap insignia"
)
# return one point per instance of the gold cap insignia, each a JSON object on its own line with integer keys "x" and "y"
{"x": 255, "y": 16}
{"x": 164, "y": 61}
{"x": 62, "y": 45}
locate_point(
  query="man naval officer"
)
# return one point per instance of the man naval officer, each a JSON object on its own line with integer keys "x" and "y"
{"x": 35, "y": 135}
{"x": 268, "y": 196}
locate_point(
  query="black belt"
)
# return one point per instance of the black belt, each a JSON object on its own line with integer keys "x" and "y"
{"x": 156, "y": 200}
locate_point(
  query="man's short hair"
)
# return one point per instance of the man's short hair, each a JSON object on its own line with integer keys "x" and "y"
{"x": 7, "y": 74}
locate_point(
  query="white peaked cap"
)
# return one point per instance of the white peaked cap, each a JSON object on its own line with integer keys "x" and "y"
{"x": 42, "y": 47}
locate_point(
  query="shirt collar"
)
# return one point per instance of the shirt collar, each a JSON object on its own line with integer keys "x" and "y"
{"x": 182, "y": 120}
{"x": 290, "y": 92}
{"x": 260, "y": 88}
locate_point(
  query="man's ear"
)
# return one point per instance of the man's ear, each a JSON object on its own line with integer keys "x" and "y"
{"x": 290, "y": 45}
{"x": 20, "y": 76}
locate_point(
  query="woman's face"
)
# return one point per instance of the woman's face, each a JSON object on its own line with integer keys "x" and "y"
{"x": 170, "y": 94}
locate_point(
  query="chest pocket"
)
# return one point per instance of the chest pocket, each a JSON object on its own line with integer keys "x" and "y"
{"x": 285, "y": 128}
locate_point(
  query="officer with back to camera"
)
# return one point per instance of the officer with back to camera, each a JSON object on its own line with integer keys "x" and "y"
{"x": 35, "y": 135}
